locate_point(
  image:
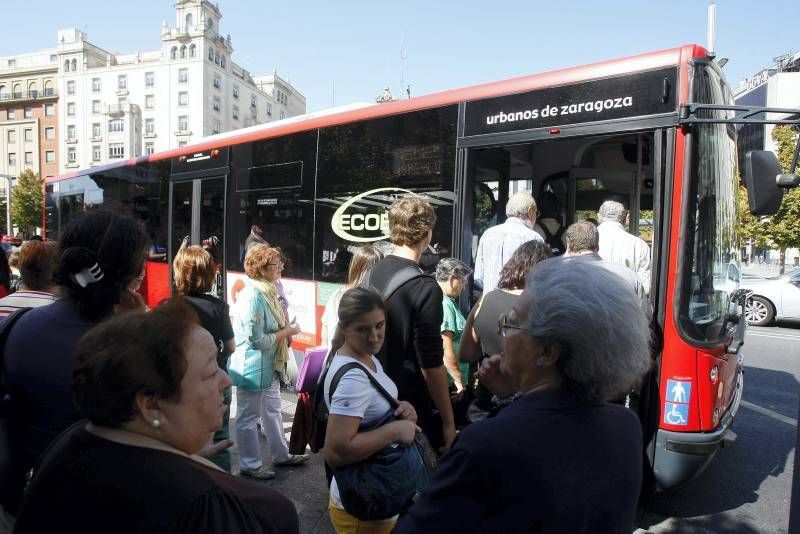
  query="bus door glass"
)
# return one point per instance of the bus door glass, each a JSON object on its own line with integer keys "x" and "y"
{"x": 197, "y": 217}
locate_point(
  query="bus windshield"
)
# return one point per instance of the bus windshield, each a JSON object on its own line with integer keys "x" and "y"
{"x": 711, "y": 215}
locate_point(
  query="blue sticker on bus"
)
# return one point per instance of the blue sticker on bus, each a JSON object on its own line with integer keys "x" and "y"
{"x": 679, "y": 391}
{"x": 676, "y": 414}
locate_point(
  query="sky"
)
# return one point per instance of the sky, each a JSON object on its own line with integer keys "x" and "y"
{"x": 337, "y": 52}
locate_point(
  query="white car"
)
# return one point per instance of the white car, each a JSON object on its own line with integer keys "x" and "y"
{"x": 773, "y": 298}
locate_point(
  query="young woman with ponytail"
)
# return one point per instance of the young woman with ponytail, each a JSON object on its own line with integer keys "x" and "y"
{"x": 356, "y": 403}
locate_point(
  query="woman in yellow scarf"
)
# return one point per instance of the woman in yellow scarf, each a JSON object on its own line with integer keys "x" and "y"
{"x": 261, "y": 331}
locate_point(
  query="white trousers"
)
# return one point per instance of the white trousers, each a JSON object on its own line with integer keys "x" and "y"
{"x": 250, "y": 407}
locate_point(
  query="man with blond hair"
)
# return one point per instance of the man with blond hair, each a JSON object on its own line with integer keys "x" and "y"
{"x": 412, "y": 353}
{"x": 498, "y": 243}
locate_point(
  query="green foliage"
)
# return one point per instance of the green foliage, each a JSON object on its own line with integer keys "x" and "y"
{"x": 750, "y": 227}
{"x": 27, "y": 201}
{"x": 786, "y": 139}
{"x": 782, "y": 230}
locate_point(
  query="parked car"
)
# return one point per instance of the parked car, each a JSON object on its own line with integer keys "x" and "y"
{"x": 773, "y": 298}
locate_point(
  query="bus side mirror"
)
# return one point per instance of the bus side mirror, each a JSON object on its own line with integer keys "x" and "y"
{"x": 761, "y": 169}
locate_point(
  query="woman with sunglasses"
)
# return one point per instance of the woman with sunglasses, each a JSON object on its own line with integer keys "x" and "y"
{"x": 260, "y": 331}
{"x": 559, "y": 458}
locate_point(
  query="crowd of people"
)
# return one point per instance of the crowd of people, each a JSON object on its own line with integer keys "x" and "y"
{"x": 126, "y": 409}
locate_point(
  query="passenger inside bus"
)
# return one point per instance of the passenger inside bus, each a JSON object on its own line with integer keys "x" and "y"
{"x": 571, "y": 177}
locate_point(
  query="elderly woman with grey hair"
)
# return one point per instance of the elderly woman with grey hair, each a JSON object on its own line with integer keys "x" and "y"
{"x": 452, "y": 276}
{"x": 559, "y": 457}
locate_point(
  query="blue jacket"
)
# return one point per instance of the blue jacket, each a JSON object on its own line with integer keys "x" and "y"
{"x": 252, "y": 365}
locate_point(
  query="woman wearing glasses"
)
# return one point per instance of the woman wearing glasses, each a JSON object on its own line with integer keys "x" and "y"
{"x": 559, "y": 458}
{"x": 260, "y": 330}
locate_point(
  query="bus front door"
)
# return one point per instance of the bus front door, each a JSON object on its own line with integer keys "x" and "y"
{"x": 197, "y": 209}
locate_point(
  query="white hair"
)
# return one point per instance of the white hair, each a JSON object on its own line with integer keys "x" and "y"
{"x": 519, "y": 204}
{"x": 611, "y": 210}
{"x": 596, "y": 318}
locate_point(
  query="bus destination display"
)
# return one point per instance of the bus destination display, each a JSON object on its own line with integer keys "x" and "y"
{"x": 633, "y": 95}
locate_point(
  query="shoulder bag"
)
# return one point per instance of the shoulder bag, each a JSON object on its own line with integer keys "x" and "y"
{"x": 386, "y": 483}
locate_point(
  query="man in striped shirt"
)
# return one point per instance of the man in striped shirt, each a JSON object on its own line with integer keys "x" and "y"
{"x": 37, "y": 261}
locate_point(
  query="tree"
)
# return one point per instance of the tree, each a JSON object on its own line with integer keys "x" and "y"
{"x": 750, "y": 226}
{"x": 27, "y": 202}
{"x": 783, "y": 228}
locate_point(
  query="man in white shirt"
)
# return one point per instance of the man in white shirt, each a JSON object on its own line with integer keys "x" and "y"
{"x": 618, "y": 246}
{"x": 499, "y": 242}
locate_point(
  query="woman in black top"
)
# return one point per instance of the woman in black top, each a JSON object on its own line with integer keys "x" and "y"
{"x": 560, "y": 458}
{"x": 481, "y": 338}
{"x": 195, "y": 272}
{"x": 152, "y": 390}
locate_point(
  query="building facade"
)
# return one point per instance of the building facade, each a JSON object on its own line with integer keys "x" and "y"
{"x": 116, "y": 106}
{"x": 29, "y": 114}
{"x": 777, "y": 86}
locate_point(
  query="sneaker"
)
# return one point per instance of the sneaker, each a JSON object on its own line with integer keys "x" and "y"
{"x": 294, "y": 459}
{"x": 262, "y": 473}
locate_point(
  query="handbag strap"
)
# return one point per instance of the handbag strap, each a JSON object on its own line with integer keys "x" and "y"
{"x": 377, "y": 385}
{"x": 5, "y": 329}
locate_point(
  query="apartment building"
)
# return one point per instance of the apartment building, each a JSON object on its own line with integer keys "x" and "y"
{"x": 116, "y": 106}
{"x": 29, "y": 114}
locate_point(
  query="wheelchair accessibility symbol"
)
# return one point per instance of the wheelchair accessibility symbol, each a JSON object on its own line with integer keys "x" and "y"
{"x": 676, "y": 414}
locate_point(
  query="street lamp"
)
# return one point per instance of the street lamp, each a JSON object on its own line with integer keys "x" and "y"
{"x": 9, "y": 181}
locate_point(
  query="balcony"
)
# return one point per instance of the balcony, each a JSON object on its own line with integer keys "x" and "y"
{"x": 122, "y": 92}
{"x": 150, "y": 135}
{"x": 118, "y": 110}
{"x": 183, "y": 133}
{"x": 71, "y": 140}
{"x": 96, "y": 138}
{"x": 49, "y": 94}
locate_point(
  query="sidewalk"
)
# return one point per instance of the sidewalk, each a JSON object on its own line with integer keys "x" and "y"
{"x": 304, "y": 485}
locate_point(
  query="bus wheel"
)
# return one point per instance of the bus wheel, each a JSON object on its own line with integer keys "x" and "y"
{"x": 758, "y": 311}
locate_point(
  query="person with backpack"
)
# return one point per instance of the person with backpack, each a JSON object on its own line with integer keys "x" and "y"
{"x": 354, "y": 404}
{"x": 548, "y": 224}
{"x": 413, "y": 355}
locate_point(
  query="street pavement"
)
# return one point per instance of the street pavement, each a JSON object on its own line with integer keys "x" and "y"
{"x": 746, "y": 488}
{"x": 305, "y": 485}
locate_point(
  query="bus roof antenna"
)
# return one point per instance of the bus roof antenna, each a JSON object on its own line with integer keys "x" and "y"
{"x": 711, "y": 30}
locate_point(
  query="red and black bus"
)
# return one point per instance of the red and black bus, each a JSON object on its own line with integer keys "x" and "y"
{"x": 321, "y": 184}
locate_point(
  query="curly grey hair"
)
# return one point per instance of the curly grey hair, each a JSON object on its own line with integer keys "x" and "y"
{"x": 519, "y": 204}
{"x": 448, "y": 267}
{"x": 611, "y": 210}
{"x": 597, "y": 318}
{"x": 582, "y": 236}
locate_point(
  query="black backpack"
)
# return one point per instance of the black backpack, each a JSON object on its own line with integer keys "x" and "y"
{"x": 554, "y": 240}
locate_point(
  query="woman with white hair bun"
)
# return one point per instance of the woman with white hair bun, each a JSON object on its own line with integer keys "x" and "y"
{"x": 559, "y": 457}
